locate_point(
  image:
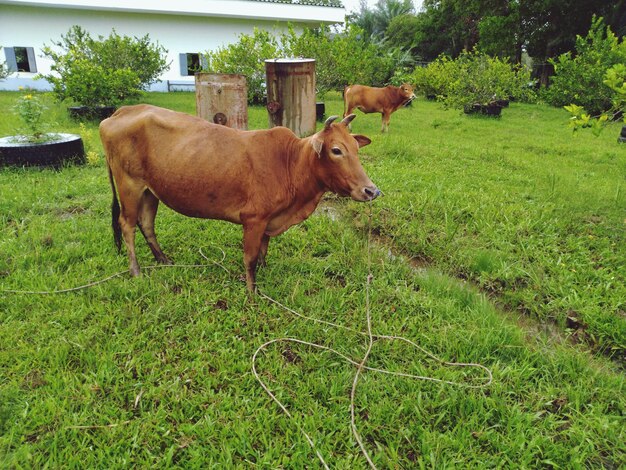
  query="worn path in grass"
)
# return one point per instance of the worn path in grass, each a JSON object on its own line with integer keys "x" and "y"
{"x": 156, "y": 371}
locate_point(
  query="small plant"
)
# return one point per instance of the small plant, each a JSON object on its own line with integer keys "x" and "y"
{"x": 30, "y": 110}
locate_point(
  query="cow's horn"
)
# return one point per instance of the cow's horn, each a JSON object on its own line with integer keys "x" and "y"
{"x": 348, "y": 119}
{"x": 329, "y": 121}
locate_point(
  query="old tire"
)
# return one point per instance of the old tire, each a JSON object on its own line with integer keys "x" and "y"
{"x": 68, "y": 148}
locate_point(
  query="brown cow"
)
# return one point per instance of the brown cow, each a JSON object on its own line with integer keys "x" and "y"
{"x": 265, "y": 180}
{"x": 377, "y": 100}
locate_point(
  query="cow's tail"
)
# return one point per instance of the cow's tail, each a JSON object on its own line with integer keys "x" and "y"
{"x": 115, "y": 213}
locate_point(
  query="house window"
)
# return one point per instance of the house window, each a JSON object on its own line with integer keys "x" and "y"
{"x": 191, "y": 62}
{"x": 20, "y": 59}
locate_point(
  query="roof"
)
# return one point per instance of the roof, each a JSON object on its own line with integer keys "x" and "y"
{"x": 311, "y": 11}
{"x": 318, "y": 3}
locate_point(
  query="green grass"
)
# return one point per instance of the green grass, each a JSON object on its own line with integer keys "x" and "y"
{"x": 490, "y": 234}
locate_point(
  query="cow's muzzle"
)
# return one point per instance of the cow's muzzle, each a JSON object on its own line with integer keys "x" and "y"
{"x": 370, "y": 193}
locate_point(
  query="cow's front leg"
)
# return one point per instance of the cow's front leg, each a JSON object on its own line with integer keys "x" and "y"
{"x": 253, "y": 235}
{"x": 386, "y": 117}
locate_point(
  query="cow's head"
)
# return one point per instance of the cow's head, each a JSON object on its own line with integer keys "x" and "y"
{"x": 407, "y": 92}
{"x": 338, "y": 167}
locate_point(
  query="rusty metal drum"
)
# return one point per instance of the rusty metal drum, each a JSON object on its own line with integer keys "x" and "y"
{"x": 223, "y": 99}
{"x": 291, "y": 94}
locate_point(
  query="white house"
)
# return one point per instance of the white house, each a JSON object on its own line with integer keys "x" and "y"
{"x": 184, "y": 28}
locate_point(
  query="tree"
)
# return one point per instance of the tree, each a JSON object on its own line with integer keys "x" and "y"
{"x": 401, "y": 31}
{"x": 375, "y": 22}
{"x": 545, "y": 28}
{"x": 447, "y": 27}
{"x": 500, "y": 30}
{"x": 550, "y": 27}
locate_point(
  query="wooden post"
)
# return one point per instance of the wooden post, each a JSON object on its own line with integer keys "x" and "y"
{"x": 291, "y": 94}
{"x": 223, "y": 99}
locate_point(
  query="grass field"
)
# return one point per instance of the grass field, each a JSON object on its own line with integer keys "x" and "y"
{"x": 499, "y": 242}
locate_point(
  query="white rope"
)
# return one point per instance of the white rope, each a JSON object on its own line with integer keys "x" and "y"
{"x": 360, "y": 365}
{"x": 118, "y": 274}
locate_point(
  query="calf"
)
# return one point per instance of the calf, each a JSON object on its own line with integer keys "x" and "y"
{"x": 264, "y": 180}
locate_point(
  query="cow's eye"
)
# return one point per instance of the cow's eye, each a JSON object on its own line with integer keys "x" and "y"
{"x": 336, "y": 151}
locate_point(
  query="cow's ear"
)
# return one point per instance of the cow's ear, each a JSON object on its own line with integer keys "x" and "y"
{"x": 362, "y": 140}
{"x": 317, "y": 142}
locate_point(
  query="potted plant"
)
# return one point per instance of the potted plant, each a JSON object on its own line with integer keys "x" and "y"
{"x": 100, "y": 74}
{"x": 34, "y": 145}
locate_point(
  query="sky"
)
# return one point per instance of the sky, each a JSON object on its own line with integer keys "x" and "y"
{"x": 353, "y": 5}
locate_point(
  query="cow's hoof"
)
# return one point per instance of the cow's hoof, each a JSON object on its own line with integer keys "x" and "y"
{"x": 134, "y": 271}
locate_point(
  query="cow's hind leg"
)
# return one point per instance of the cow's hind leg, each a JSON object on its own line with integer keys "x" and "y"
{"x": 148, "y": 206}
{"x": 265, "y": 241}
{"x": 130, "y": 198}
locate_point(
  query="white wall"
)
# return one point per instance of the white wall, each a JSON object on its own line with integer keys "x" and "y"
{"x": 34, "y": 26}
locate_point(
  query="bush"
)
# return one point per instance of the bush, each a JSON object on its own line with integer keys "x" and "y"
{"x": 340, "y": 59}
{"x": 473, "y": 78}
{"x": 433, "y": 79}
{"x": 246, "y": 57}
{"x": 579, "y": 78}
{"x": 615, "y": 80}
{"x": 103, "y": 72}
{"x": 343, "y": 59}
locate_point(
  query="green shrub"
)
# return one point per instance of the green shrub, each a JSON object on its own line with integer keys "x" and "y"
{"x": 474, "y": 78}
{"x": 246, "y": 57}
{"x": 340, "y": 59}
{"x": 579, "y": 78}
{"x": 433, "y": 79}
{"x": 103, "y": 72}
{"x": 615, "y": 80}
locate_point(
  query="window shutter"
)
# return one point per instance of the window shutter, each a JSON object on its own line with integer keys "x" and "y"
{"x": 32, "y": 65}
{"x": 183, "y": 64}
{"x": 9, "y": 53}
{"x": 204, "y": 62}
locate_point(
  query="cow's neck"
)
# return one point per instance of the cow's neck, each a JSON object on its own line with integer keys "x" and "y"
{"x": 304, "y": 187}
{"x": 398, "y": 93}
{"x": 304, "y": 173}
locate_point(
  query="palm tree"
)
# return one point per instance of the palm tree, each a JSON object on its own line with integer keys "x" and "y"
{"x": 374, "y": 22}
